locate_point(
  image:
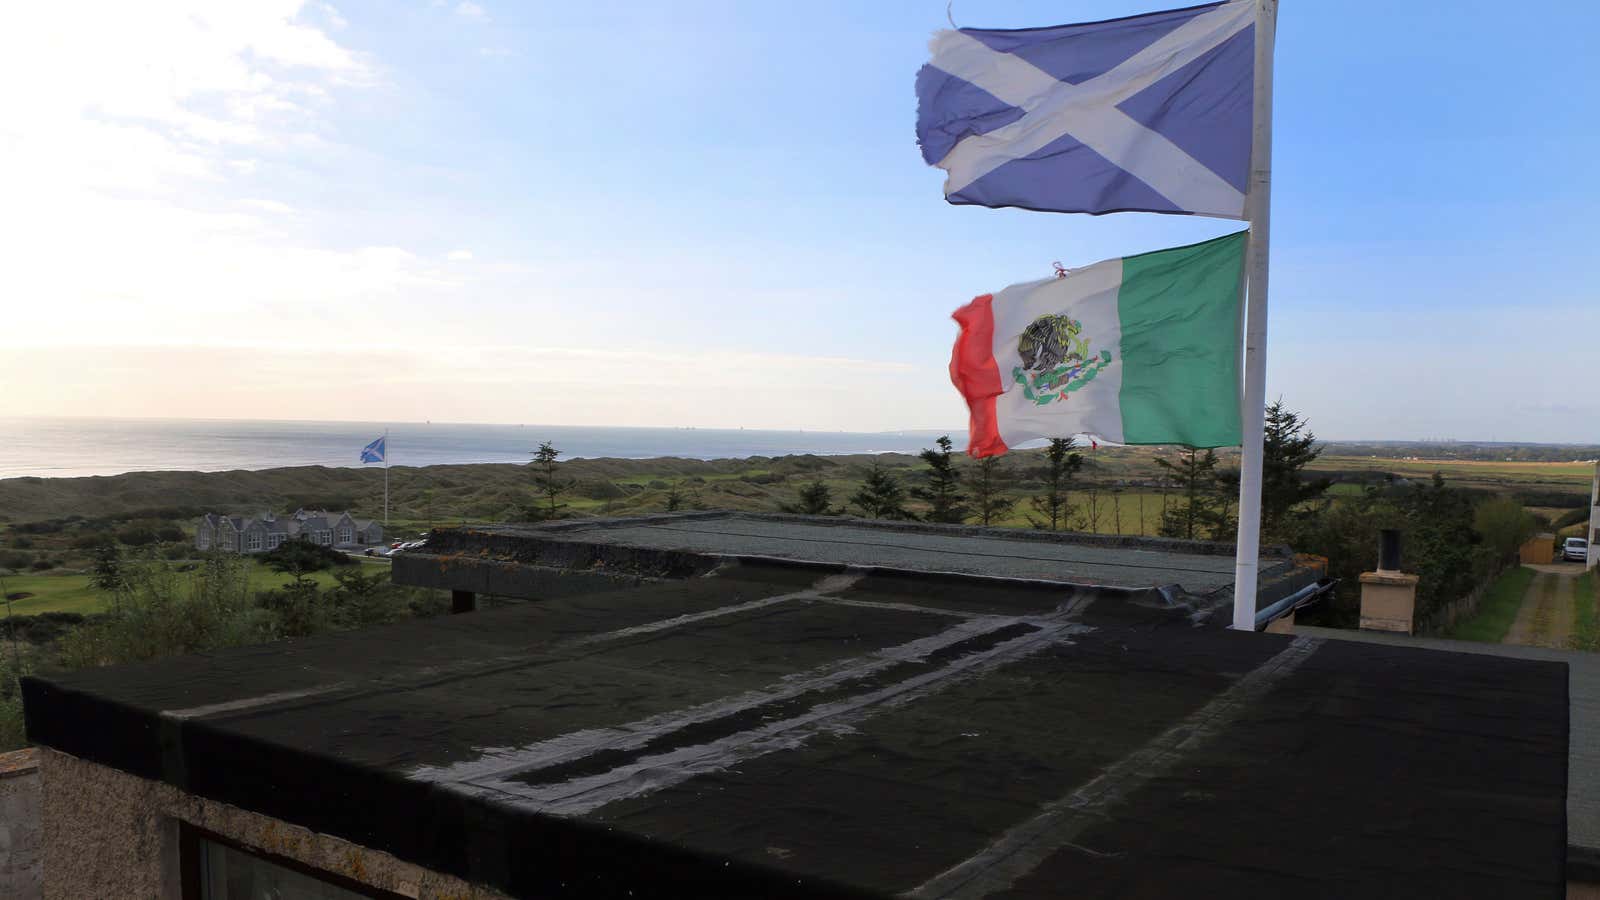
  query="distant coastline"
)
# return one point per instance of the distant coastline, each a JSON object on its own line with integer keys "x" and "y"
{"x": 68, "y": 448}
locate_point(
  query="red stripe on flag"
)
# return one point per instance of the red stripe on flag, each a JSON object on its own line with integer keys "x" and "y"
{"x": 974, "y": 373}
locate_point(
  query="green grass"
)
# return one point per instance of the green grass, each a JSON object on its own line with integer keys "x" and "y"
{"x": 73, "y": 593}
{"x": 52, "y": 593}
{"x": 1497, "y": 610}
{"x": 1586, "y": 635}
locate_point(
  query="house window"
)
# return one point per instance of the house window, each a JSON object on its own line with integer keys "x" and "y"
{"x": 204, "y": 541}
{"x": 215, "y": 869}
{"x": 344, "y": 535}
{"x": 255, "y": 540}
{"x": 273, "y": 540}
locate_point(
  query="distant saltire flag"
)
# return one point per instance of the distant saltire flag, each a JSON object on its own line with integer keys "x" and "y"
{"x": 1139, "y": 350}
{"x": 1149, "y": 113}
{"x": 374, "y": 452}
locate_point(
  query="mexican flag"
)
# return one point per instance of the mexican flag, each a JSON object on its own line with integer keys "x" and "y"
{"x": 1139, "y": 350}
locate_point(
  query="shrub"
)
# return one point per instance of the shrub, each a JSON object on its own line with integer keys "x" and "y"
{"x": 136, "y": 536}
{"x": 22, "y": 542}
{"x": 304, "y": 556}
{"x": 15, "y": 560}
{"x": 598, "y": 489}
{"x": 40, "y": 565}
{"x": 1503, "y": 525}
{"x": 171, "y": 533}
{"x": 161, "y": 612}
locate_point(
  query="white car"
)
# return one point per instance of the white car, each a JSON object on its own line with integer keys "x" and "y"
{"x": 1575, "y": 549}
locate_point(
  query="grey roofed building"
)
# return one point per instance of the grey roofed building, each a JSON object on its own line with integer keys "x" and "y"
{"x": 260, "y": 534}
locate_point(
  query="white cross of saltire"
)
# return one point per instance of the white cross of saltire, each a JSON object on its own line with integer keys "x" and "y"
{"x": 375, "y": 451}
{"x": 1149, "y": 113}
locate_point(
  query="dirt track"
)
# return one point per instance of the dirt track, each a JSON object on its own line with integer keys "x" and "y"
{"x": 1546, "y": 618}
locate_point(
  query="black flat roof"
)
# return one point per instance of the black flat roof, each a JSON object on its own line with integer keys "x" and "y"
{"x": 773, "y": 730}
{"x": 683, "y": 543}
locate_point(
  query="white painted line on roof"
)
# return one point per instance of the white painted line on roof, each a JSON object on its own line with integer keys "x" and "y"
{"x": 504, "y": 762}
{"x": 824, "y": 586}
{"x": 652, "y": 773}
{"x": 828, "y": 585}
{"x": 1022, "y": 848}
{"x": 249, "y": 702}
{"x": 904, "y": 607}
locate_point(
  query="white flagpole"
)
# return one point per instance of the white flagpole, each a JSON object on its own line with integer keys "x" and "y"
{"x": 1258, "y": 208}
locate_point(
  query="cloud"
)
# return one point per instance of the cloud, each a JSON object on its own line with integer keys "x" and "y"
{"x": 459, "y": 255}
{"x": 466, "y": 9}
{"x": 271, "y": 206}
{"x": 574, "y": 386}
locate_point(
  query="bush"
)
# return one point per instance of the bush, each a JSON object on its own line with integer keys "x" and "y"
{"x": 1503, "y": 525}
{"x": 22, "y": 542}
{"x": 1571, "y": 517}
{"x": 598, "y": 489}
{"x": 13, "y": 667}
{"x": 40, "y": 565}
{"x": 136, "y": 536}
{"x": 161, "y": 612}
{"x": 1441, "y": 542}
{"x": 39, "y": 629}
{"x": 304, "y": 556}
{"x": 171, "y": 533}
{"x": 15, "y": 560}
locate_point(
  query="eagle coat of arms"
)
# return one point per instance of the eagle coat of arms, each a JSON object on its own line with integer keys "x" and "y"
{"x": 1056, "y": 359}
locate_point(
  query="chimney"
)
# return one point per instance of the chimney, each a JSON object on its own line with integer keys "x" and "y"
{"x": 1388, "y": 596}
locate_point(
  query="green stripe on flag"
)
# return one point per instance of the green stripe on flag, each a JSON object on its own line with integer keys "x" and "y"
{"x": 1180, "y": 344}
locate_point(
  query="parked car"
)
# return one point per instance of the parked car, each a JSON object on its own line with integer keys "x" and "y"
{"x": 1575, "y": 549}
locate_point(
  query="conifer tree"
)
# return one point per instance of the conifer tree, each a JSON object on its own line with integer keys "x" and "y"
{"x": 943, "y": 494}
{"x": 988, "y": 491}
{"x": 816, "y": 499}
{"x": 1288, "y": 447}
{"x": 546, "y": 483}
{"x": 1052, "y": 506}
{"x": 1195, "y": 474}
{"x": 881, "y": 496}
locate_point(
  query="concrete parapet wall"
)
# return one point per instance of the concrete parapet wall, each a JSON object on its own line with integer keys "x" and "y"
{"x": 111, "y": 834}
{"x": 21, "y": 834}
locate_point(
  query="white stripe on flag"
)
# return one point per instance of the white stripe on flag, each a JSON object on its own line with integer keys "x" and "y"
{"x": 1088, "y": 111}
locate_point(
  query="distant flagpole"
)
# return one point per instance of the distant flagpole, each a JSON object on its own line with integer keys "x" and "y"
{"x": 1258, "y": 207}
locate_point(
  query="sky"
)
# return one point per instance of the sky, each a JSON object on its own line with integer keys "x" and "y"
{"x": 715, "y": 214}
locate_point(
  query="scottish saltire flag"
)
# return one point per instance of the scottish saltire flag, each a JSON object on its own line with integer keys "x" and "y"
{"x": 1150, "y": 113}
{"x": 374, "y": 452}
{"x": 1140, "y": 350}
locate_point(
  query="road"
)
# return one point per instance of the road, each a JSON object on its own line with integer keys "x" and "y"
{"x": 1547, "y": 616}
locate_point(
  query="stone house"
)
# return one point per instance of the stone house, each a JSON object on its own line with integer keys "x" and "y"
{"x": 259, "y": 534}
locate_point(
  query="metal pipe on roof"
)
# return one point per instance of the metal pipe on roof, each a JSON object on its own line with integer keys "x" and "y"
{"x": 1295, "y": 600}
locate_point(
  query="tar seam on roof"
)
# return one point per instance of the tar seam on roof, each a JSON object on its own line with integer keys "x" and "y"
{"x": 652, "y": 773}
{"x": 504, "y": 763}
{"x": 1021, "y": 849}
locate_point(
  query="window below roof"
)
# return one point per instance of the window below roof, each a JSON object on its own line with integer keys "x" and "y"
{"x": 217, "y": 870}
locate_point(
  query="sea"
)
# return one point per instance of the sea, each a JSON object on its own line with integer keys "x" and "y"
{"x": 72, "y": 447}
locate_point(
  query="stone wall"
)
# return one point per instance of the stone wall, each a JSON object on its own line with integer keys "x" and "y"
{"x": 111, "y": 834}
{"x": 21, "y": 838}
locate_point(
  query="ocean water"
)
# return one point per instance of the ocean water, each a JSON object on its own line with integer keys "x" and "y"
{"x": 66, "y": 447}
